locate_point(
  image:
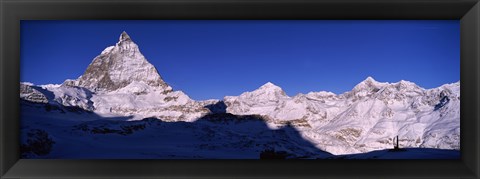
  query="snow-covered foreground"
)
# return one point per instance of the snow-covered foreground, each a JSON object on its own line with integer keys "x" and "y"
{"x": 85, "y": 135}
{"x": 81, "y": 134}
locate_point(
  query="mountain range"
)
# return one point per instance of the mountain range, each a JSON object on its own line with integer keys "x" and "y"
{"x": 121, "y": 84}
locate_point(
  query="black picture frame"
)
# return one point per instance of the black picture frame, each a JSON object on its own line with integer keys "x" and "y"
{"x": 13, "y": 11}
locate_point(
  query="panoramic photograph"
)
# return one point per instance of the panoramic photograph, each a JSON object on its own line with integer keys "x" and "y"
{"x": 240, "y": 89}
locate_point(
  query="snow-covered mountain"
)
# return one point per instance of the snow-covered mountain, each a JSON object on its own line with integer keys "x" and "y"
{"x": 120, "y": 82}
{"x": 364, "y": 119}
{"x": 117, "y": 67}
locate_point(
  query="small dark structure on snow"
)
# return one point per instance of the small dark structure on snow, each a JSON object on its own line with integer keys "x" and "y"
{"x": 396, "y": 148}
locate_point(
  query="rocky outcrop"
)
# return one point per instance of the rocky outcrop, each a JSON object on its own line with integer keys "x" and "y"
{"x": 28, "y": 93}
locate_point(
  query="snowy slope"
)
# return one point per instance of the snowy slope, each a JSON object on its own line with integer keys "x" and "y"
{"x": 140, "y": 100}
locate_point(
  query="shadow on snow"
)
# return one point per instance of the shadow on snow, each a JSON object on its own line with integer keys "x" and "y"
{"x": 215, "y": 135}
{"x": 218, "y": 135}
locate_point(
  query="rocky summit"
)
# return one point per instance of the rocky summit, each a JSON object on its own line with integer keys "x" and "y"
{"x": 117, "y": 67}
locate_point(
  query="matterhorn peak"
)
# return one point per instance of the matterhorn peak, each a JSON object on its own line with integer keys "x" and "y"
{"x": 124, "y": 37}
{"x": 118, "y": 66}
{"x": 125, "y": 45}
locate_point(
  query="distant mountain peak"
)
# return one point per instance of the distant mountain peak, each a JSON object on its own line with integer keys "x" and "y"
{"x": 405, "y": 84}
{"x": 370, "y": 79}
{"x": 268, "y": 91}
{"x": 368, "y": 83}
{"x": 269, "y": 85}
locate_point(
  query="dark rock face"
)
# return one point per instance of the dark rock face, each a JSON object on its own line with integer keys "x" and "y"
{"x": 30, "y": 94}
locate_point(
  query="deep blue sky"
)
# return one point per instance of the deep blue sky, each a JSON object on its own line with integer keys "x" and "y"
{"x": 212, "y": 59}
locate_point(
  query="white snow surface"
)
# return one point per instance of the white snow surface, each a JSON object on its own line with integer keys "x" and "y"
{"x": 143, "y": 101}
